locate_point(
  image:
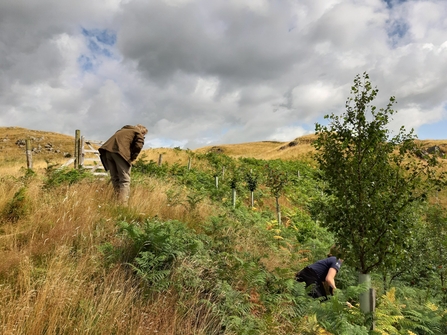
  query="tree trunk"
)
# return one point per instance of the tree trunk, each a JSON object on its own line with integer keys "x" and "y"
{"x": 278, "y": 210}
{"x": 252, "y": 199}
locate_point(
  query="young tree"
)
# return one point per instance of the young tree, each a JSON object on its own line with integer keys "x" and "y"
{"x": 373, "y": 178}
{"x": 276, "y": 181}
{"x": 251, "y": 178}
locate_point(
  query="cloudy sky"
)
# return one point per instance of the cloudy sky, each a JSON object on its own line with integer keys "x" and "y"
{"x": 201, "y": 72}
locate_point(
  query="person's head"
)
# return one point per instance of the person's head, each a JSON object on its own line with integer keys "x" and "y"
{"x": 142, "y": 129}
{"x": 336, "y": 251}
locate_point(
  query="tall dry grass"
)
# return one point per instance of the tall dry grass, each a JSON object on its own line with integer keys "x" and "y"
{"x": 53, "y": 278}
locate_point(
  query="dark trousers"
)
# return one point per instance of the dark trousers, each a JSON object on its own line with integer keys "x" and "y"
{"x": 119, "y": 170}
{"x": 309, "y": 276}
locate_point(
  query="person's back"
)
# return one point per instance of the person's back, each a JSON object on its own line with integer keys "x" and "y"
{"x": 117, "y": 155}
{"x": 322, "y": 266}
{"x": 128, "y": 142}
{"x": 321, "y": 273}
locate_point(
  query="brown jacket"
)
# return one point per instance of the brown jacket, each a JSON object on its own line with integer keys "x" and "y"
{"x": 128, "y": 142}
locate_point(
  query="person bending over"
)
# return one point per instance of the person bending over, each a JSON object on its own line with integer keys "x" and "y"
{"x": 117, "y": 155}
{"x": 321, "y": 275}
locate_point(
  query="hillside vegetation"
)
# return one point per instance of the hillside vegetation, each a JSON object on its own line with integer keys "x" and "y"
{"x": 197, "y": 251}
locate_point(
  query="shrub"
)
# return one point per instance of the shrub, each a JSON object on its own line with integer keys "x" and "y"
{"x": 17, "y": 207}
{"x": 56, "y": 177}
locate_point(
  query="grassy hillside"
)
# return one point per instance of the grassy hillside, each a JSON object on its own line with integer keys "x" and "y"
{"x": 185, "y": 257}
{"x": 299, "y": 148}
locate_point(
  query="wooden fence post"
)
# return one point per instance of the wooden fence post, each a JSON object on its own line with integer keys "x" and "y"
{"x": 77, "y": 148}
{"x": 81, "y": 151}
{"x": 160, "y": 159}
{"x": 189, "y": 163}
{"x": 29, "y": 155}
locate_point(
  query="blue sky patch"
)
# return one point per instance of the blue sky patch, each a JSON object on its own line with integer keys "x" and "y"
{"x": 391, "y": 3}
{"x": 397, "y": 30}
{"x": 85, "y": 63}
{"x": 103, "y": 36}
{"x": 100, "y": 43}
{"x": 434, "y": 131}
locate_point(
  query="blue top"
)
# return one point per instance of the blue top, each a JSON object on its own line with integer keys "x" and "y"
{"x": 322, "y": 267}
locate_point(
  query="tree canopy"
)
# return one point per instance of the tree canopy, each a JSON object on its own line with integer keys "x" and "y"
{"x": 372, "y": 177}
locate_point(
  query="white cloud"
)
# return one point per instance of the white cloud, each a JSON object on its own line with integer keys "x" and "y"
{"x": 197, "y": 72}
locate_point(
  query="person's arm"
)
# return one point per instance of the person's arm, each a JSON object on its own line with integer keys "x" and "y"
{"x": 136, "y": 146}
{"x": 330, "y": 278}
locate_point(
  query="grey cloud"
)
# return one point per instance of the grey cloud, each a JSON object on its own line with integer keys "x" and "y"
{"x": 238, "y": 46}
{"x": 201, "y": 72}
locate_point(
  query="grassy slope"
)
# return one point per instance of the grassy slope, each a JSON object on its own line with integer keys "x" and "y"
{"x": 299, "y": 148}
{"x": 53, "y": 277}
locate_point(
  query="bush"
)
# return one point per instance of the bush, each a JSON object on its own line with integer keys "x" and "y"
{"x": 64, "y": 176}
{"x": 156, "y": 246}
{"x": 17, "y": 207}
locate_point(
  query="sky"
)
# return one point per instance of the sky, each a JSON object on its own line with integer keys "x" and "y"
{"x": 209, "y": 72}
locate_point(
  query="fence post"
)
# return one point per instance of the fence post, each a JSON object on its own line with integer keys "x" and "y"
{"x": 77, "y": 147}
{"x": 29, "y": 155}
{"x": 189, "y": 163}
{"x": 81, "y": 151}
{"x": 160, "y": 159}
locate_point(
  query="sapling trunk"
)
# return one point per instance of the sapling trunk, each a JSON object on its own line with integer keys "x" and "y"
{"x": 234, "y": 197}
{"x": 278, "y": 210}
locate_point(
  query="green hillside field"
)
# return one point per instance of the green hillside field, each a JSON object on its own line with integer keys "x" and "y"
{"x": 196, "y": 251}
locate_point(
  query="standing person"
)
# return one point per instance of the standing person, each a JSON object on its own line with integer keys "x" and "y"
{"x": 321, "y": 274}
{"x": 117, "y": 155}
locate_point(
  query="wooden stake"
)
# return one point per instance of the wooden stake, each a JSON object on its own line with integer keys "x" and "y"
{"x": 160, "y": 159}
{"x": 81, "y": 152}
{"x": 29, "y": 155}
{"x": 76, "y": 150}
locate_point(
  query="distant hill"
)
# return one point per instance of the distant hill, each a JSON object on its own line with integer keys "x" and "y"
{"x": 300, "y": 147}
{"x": 55, "y": 146}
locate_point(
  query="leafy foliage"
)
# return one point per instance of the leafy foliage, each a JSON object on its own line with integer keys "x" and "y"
{"x": 57, "y": 177}
{"x": 17, "y": 207}
{"x": 371, "y": 179}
